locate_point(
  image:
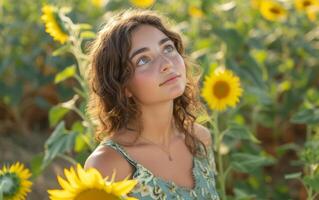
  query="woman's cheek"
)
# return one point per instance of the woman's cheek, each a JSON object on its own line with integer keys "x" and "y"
{"x": 181, "y": 67}
{"x": 179, "y": 61}
{"x": 143, "y": 83}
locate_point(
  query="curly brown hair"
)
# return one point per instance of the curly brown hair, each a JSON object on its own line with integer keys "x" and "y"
{"x": 110, "y": 71}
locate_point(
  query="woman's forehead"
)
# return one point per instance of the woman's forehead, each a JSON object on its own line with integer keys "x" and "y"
{"x": 144, "y": 34}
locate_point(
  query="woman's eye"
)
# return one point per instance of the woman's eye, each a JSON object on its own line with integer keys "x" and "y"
{"x": 142, "y": 61}
{"x": 169, "y": 48}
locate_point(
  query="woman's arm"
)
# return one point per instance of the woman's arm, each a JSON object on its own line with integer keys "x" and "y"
{"x": 205, "y": 136}
{"x": 106, "y": 160}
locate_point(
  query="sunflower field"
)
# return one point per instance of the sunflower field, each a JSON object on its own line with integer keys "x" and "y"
{"x": 260, "y": 84}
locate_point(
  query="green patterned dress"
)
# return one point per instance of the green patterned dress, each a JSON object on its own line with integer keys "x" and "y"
{"x": 152, "y": 187}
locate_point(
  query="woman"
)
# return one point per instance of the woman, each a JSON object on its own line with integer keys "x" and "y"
{"x": 145, "y": 99}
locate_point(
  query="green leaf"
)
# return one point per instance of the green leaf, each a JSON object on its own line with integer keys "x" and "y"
{"x": 87, "y": 34}
{"x": 310, "y": 153}
{"x": 1, "y": 192}
{"x": 82, "y": 156}
{"x": 293, "y": 175}
{"x": 78, "y": 127}
{"x": 56, "y": 113}
{"x": 259, "y": 94}
{"x": 80, "y": 143}
{"x": 240, "y": 132}
{"x": 36, "y": 163}
{"x": 66, "y": 73}
{"x": 306, "y": 116}
{"x": 312, "y": 182}
{"x": 84, "y": 26}
{"x": 60, "y": 141}
{"x": 62, "y": 50}
{"x": 243, "y": 195}
{"x": 247, "y": 162}
{"x": 259, "y": 55}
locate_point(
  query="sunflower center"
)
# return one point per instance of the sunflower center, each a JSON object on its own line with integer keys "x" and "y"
{"x": 95, "y": 194}
{"x": 306, "y": 4}
{"x": 221, "y": 89}
{"x": 10, "y": 184}
{"x": 275, "y": 10}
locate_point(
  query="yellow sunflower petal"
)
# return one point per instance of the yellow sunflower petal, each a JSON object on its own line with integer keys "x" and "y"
{"x": 18, "y": 176}
{"x": 89, "y": 184}
{"x": 99, "y": 3}
{"x": 131, "y": 198}
{"x": 113, "y": 176}
{"x": 142, "y": 3}
{"x": 221, "y": 89}
{"x": 98, "y": 179}
{"x": 65, "y": 184}
{"x": 62, "y": 194}
{"x": 51, "y": 24}
{"x": 72, "y": 178}
{"x": 195, "y": 12}
{"x": 313, "y": 13}
{"x": 109, "y": 184}
{"x": 272, "y": 10}
{"x": 123, "y": 187}
{"x": 85, "y": 177}
{"x": 303, "y": 5}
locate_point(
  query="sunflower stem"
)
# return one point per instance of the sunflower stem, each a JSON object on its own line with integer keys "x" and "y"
{"x": 217, "y": 141}
{"x": 308, "y": 169}
{"x": 1, "y": 190}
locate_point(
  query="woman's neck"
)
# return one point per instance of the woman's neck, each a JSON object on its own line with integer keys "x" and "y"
{"x": 158, "y": 123}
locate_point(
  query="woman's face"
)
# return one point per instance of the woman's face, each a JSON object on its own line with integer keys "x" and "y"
{"x": 156, "y": 60}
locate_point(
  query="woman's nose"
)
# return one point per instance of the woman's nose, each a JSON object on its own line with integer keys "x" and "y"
{"x": 166, "y": 64}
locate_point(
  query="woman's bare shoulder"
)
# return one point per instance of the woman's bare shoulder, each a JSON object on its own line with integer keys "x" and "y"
{"x": 203, "y": 133}
{"x": 106, "y": 160}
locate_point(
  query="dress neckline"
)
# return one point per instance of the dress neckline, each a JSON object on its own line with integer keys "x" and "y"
{"x": 167, "y": 182}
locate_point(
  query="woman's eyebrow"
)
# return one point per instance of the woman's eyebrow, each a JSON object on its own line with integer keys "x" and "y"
{"x": 162, "y": 41}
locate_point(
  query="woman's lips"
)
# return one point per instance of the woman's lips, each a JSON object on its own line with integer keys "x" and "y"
{"x": 170, "y": 80}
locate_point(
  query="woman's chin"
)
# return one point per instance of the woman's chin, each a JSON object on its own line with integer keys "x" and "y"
{"x": 177, "y": 94}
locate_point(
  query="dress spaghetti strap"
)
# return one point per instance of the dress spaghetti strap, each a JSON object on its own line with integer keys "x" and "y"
{"x": 119, "y": 149}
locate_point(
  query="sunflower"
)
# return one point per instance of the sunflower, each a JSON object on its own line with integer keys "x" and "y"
{"x": 221, "y": 89}
{"x": 194, "y": 11}
{"x": 52, "y": 25}
{"x": 142, "y": 3}
{"x": 14, "y": 181}
{"x": 272, "y": 10}
{"x": 89, "y": 184}
{"x": 312, "y": 12}
{"x": 99, "y": 3}
{"x": 303, "y": 5}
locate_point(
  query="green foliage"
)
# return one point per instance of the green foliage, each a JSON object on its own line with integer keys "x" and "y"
{"x": 276, "y": 62}
{"x": 59, "y": 142}
{"x": 240, "y": 132}
{"x": 56, "y": 114}
{"x": 306, "y": 116}
{"x": 66, "y": 73}
{"x": 247, "y": 162}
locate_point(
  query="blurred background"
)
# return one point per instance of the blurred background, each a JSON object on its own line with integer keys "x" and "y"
{"x": 271, "y": 45}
